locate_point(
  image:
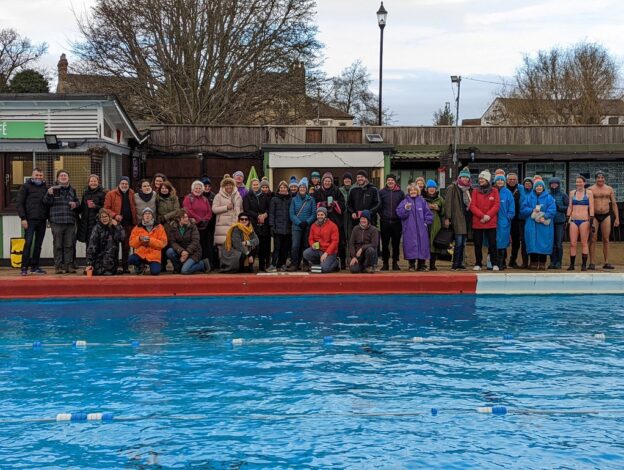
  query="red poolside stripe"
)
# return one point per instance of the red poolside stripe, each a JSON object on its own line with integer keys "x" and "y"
{"x": 235, "y": 285}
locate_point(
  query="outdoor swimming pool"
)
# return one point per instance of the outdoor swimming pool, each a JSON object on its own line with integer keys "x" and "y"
{"x": 335, "y": 382}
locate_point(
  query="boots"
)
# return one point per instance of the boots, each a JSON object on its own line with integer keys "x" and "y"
{"x": 412, "y": 265}
{"x": 572, "y": 261}
{"x": 584, "y": 262}
{"x": 385, "y": 266}
{"x": 395, "y": 266}
{"x": 422, "y": 266}
{"x": 432, "y": 263}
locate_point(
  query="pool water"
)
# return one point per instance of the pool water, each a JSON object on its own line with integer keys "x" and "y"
{"x": 335, "y": 382}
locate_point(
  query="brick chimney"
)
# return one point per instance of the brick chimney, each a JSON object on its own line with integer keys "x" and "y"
{"x": 62, "y": 74}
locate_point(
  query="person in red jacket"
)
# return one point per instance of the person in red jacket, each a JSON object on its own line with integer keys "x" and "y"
{"x": 324, "y": 239}
{"x": 484, "y": 208}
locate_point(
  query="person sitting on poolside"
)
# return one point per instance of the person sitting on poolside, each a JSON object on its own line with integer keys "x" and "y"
{"x": 363, "y": 245}
{"x": 324, "y": 239}
{"x": 148, "y": 239}
{"x": 580, "y": 215}
{"x": 241, "y": 243}
{"x": 185, "y": 251}
{"x": 605, "y": 212}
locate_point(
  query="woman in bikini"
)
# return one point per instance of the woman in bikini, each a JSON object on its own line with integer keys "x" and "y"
{"x": 580, "y": 218}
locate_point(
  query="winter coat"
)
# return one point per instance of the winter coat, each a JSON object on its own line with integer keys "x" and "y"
{"x": 335, "y": 210}
{"x": 30, "y": 201}
{"x": 88, "y": 216}
{"x": 113, "y": 204}
{"x": 279, "y": 214}
{"x": 186, "y": 240}
{"x": 415, "y": 222}
{"x": 198, "y": 208}
{"x": 254, "y": 205}
{"x": 346, "y": 226}
{"x": 167, "y": 208}
{"x": 58, "y": 204}
{"x": 363, "y": 238}
{"x": 506, "y": 213}
{"x": 140, "y": 204}
{"x": 538, "y": 237}
{"x": 455, "y": 209}
{"x": 226, "y": 217}
{"x": 562, "y": 201}
{"x": 230, "y": 260}
{"x": 438, "y": 217}
{"x": 302, "y": 211}
{"x": 389, "y": 200}
{"x": 523, "y": 195}
{"x": 242, "y": 191}
{"x": 152, "y": 251}
{"x": 515, "y": 192}
{"x": 327, "y": 235}
{"x": 363, "y": 198}
{"x": 103, "y": 248}
{"x": 484, "y": 203}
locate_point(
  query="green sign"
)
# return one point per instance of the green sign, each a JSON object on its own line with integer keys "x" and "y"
{"x": 22, "y": 129}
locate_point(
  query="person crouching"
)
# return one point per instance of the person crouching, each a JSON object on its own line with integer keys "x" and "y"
{"x": 185, "y": 249}
{"x": 103, "y": 245}
{"x": 324, "y": 239}
{"x": 241, "y": 243}
{"x": 363, "y": 245}
{"x": 148, "y": 239}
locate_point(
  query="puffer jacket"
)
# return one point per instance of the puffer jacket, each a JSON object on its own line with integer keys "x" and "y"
{"x": 198, "y": 208}
{"x": 389, "y": 201}
{"x": 113, "y": 203}
{"x": 103, "y": 248}
{"x": 363, "y": 198}
{"x": 152, "y": 251}
{"x": 226, "y": 217}
{"x": 30, "y": 201}
{"x": 562, "y": 200}
{"x": 167, "y": 208}
{"x": 254, "y": 205}
{"x": 60, "y": 211}
{"x": 363, "y": 238}
{"x": 484, "y": 202}
{"x": 88, "y": 215}
{"x": 279, "y": 214}
{"x": 327, "y": 235}
{"x": 184, "y": 240}
{"x": 302, "y": 209}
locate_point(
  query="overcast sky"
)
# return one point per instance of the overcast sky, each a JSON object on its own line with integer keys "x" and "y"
{"x": 425, "y": 41}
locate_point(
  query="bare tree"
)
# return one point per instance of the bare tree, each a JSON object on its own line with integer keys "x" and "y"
{"x": 562, "y": 86}
{"x": 444, "y": 116}
{"x": 16, "y": 53}
{"x": 203, "y": 61}
{"x": 350, "y": 92}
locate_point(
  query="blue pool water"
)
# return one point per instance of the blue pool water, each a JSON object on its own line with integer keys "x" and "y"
{"x": 316, "y": 383}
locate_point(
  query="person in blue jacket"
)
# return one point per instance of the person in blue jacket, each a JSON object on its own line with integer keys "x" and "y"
{"x": 562, "y": 201}
{"x": 302, "y": 215}
{"x": 506, "y": 213}
{"x": 538, "y": 210}
{"x": 524, "y": 190}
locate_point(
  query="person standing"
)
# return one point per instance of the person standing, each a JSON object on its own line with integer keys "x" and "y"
{"x": 363, "y": 246}
{"x": 256, "y": 206}
{"x": 148, "y": 240}
{"x": 506, "y": 213}
{"x": 210, "y": 195}
{"x": 436, "y": 206}
{"x": 606, "y": 216}
{"x": 302, "y": 214}
{"x": 525, "y": 191}
{"x": 416, "y": 217}
{"x": 239, "y": 179}
{"x": 345, "y": 189}
{"x": 330, "y": 197}
{"x": 146, "y": 197}
{"x": 363, "y": 196}
{"x": 516, "y": 233}
{"x": 63, "y": 203}
{"x": 279, "y": 221}
{"x": 323, "y": 240}
{"x": 92, "y": 201}
{"x": 226, "y": 207}
{"x": 458, "y": 199}
{"x": 103, "y": 246}
{"x": 315, "y": 180}
{"x": 562, "y": 201}
{"x": 538, "y": 210}
{"x": 33, "y": 216}
{"x": 391, "y": 228}
{"x": 120, "y": 204}
{"x": 198, "y": 209}
{"x": 157, "y": 181}
{"x": 580, "y": 216}
{"x": 484, "y": 207}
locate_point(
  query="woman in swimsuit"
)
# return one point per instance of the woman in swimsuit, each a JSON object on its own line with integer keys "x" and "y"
{"x": 580, "y": 217}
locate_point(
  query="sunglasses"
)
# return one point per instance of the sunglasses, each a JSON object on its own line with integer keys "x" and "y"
{"x": 243, "y": 219}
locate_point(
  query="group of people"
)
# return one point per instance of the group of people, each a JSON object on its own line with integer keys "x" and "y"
{"x": 313, "y": 225}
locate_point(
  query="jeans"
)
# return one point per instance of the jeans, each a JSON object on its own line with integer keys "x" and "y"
{"x": 368, "y": 259}
{"x": 296, "y": 249}
{"x": 479, "y": 235}
{"x": 34, "y": 238}
{"x": 458, "y": 252}
{"x": 390, "y": 234}
{"x": 557, "y": 253}
{"x": 313, "y": 256}
{"x": 136, "y": 260}
{"x": 64, "y": 241}
{"x": 190, "y": 266}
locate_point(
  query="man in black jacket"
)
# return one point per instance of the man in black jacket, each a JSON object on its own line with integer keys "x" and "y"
{"x": 391, "y": 228}
{"x": 33, "y": 214}
{"x": 363, "y": 197}
{"x": 516, "y": 234}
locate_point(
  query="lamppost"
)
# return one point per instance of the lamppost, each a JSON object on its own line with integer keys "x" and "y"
{"x": 456, "y": 79}
{"x": 382, "y": 15}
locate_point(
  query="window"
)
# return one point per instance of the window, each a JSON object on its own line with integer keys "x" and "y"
{"x": 614, "y": 174}
{"x": 547, "y": 171}
{"x": 614, "y": 120}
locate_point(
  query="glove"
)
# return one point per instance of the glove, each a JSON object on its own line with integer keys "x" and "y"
{"x": 303, "y": 225}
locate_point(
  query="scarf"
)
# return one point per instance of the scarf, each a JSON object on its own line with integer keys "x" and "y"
{"x": 149, "y": 226}
{"x": 485, "y": 190}
{"x": 429, "y": 198}
{"x": 246, "y": 231}
{"x": 146, "y": 197}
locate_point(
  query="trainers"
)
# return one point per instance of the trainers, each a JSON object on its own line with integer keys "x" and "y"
{"x": 477, "y": 268}
{"x": 495, "y": 268}
{"x": 37, "y": 271}
{"x": 271, "y": 269}
{"x": 292, "y": 268}
{"x": 370, "y": 270}
{"x": 206, "y": 265}
{"x": 395, "y": 266}
{"x": 608, "y": 266}
{"x": 24, "y": 271}
{"x": 70, "y": 269}
{"x": 58, "y": 270}
{"x": 139, "y": 269}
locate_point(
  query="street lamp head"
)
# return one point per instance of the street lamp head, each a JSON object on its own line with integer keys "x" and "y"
{"x": 455, "y": 78}
{"x": 382, "y": 15}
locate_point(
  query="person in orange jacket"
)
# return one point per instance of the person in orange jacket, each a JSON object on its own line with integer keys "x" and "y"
{"x": 148, "y": 239}
{"x": 324, "y": 239}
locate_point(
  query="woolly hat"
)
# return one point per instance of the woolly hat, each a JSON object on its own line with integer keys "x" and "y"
{"x": 303, "y": 182}
{"x": 465, "y": 172}
{"x": 347, "y": 175}
{"x": 227, "y": 179}
{"x": 282, "y": 183}
{"x": 363, "y": 173}
{"x": 539, "y": 182}
{"x": 124, "y": 178}
{"x": 486, "y": 175}
{"x": 366, "y": 214}
{"x": 147, "y": 209}
{"x": 264, "y": 182}
{"x": 328, "y": 174}
{"x": 244, "y": 214}
{"x": 321, "y": 209}
{"x": 315, "y": 173}
{"x": 391, "y": 175}
{"x": 238, "y": 173}
{"x": 529, "y": 179}
{"x": 293, "y": 180}
{"x": 554, "y": 180}
{"x": 499, "y": 171}
{"x": 431, "y": 184}
{"x": 500, "y": 178}
{"x": 205, "y": 180}
{"x": 599, "y": 173}
{"x": 420, "y": 178}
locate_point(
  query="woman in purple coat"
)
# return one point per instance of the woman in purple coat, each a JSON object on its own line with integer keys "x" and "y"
{"x": 415, "y": 217}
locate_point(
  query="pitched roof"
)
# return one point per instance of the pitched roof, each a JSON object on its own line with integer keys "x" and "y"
{"x": 319, "y": 109}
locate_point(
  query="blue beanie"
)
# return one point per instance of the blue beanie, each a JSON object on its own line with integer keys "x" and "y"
{"x": 500, "y": 178}
{"x": 367, "y": 214}
{"x": 539, "y": 183}
{"x": 431, "y": 184}
{"x": 465, "y": 172}
{"x": 293, "y": 181}
{"x": 315, "y": 173}
{"x": 304, "y": 182}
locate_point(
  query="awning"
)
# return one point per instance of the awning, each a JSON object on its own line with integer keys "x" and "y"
{"x": 326, "y": 159}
